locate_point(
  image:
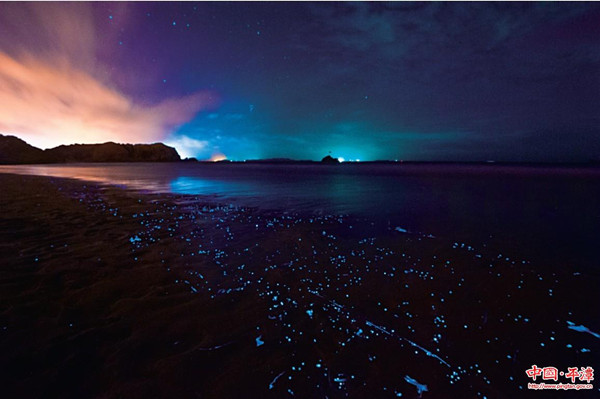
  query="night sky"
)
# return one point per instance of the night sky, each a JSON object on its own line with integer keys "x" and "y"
{"x": 410, "y": 81}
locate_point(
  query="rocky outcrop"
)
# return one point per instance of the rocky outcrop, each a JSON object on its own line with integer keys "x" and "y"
{"x": 15, "y": 151}
{"x": 330, "y": 160}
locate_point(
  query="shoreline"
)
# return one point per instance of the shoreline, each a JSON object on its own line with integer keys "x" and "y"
{"x": 108, "y": 292}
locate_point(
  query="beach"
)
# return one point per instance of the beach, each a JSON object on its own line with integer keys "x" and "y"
{"x": 107, "y": 292}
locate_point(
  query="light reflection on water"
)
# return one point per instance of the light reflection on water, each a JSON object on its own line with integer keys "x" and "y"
{"x": 549, "y": 209}
{"x": 200, "y": 186}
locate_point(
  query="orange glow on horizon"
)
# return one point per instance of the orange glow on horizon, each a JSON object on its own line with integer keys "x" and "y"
{"x": 218, "y": 157}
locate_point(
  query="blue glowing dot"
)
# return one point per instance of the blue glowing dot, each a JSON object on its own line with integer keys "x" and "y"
{"x": 259, "y": 341}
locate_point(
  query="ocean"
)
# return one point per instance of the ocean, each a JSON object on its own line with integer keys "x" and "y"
{"x": 548, "y": 213}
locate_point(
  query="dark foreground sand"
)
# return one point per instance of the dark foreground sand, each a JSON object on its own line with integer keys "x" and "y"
{"x": 109, "y": 293}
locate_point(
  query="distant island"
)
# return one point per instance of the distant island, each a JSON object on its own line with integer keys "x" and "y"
{"x": 330, "y": 160}
{"x": 16, "y": 151}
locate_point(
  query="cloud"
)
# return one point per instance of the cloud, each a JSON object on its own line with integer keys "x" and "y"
{"x": 57, "y": 32}
{"x": 53, "y": 89}
{"x": 453, "y": 66}
{"x": 414, "y": 29}
{"x": 46, "y": 106}
{"x": 189, "y": 147}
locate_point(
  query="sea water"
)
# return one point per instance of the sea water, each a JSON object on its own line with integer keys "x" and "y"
{"x": 545, "y": 212}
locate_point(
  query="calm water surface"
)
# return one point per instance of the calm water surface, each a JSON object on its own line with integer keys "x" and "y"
{"x": 550, "y": 213}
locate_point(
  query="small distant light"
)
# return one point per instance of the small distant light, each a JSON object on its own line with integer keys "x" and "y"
{"x": 341, "y": 159}
{"x": 174, "y": 23}
{"x": 357, "y": 160}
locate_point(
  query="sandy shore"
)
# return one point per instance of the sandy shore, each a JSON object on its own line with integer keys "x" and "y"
{"x": 108, "y": 293}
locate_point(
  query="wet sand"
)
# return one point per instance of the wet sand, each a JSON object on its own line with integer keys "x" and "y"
{"x": 109, "y": 293}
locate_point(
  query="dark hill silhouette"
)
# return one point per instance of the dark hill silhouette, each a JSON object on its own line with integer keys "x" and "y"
{"x": 13, "y": 150}
{"x": 329, "y": 159}
{"x": 112, "y": 152}
{"x": 16, "y": 151}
